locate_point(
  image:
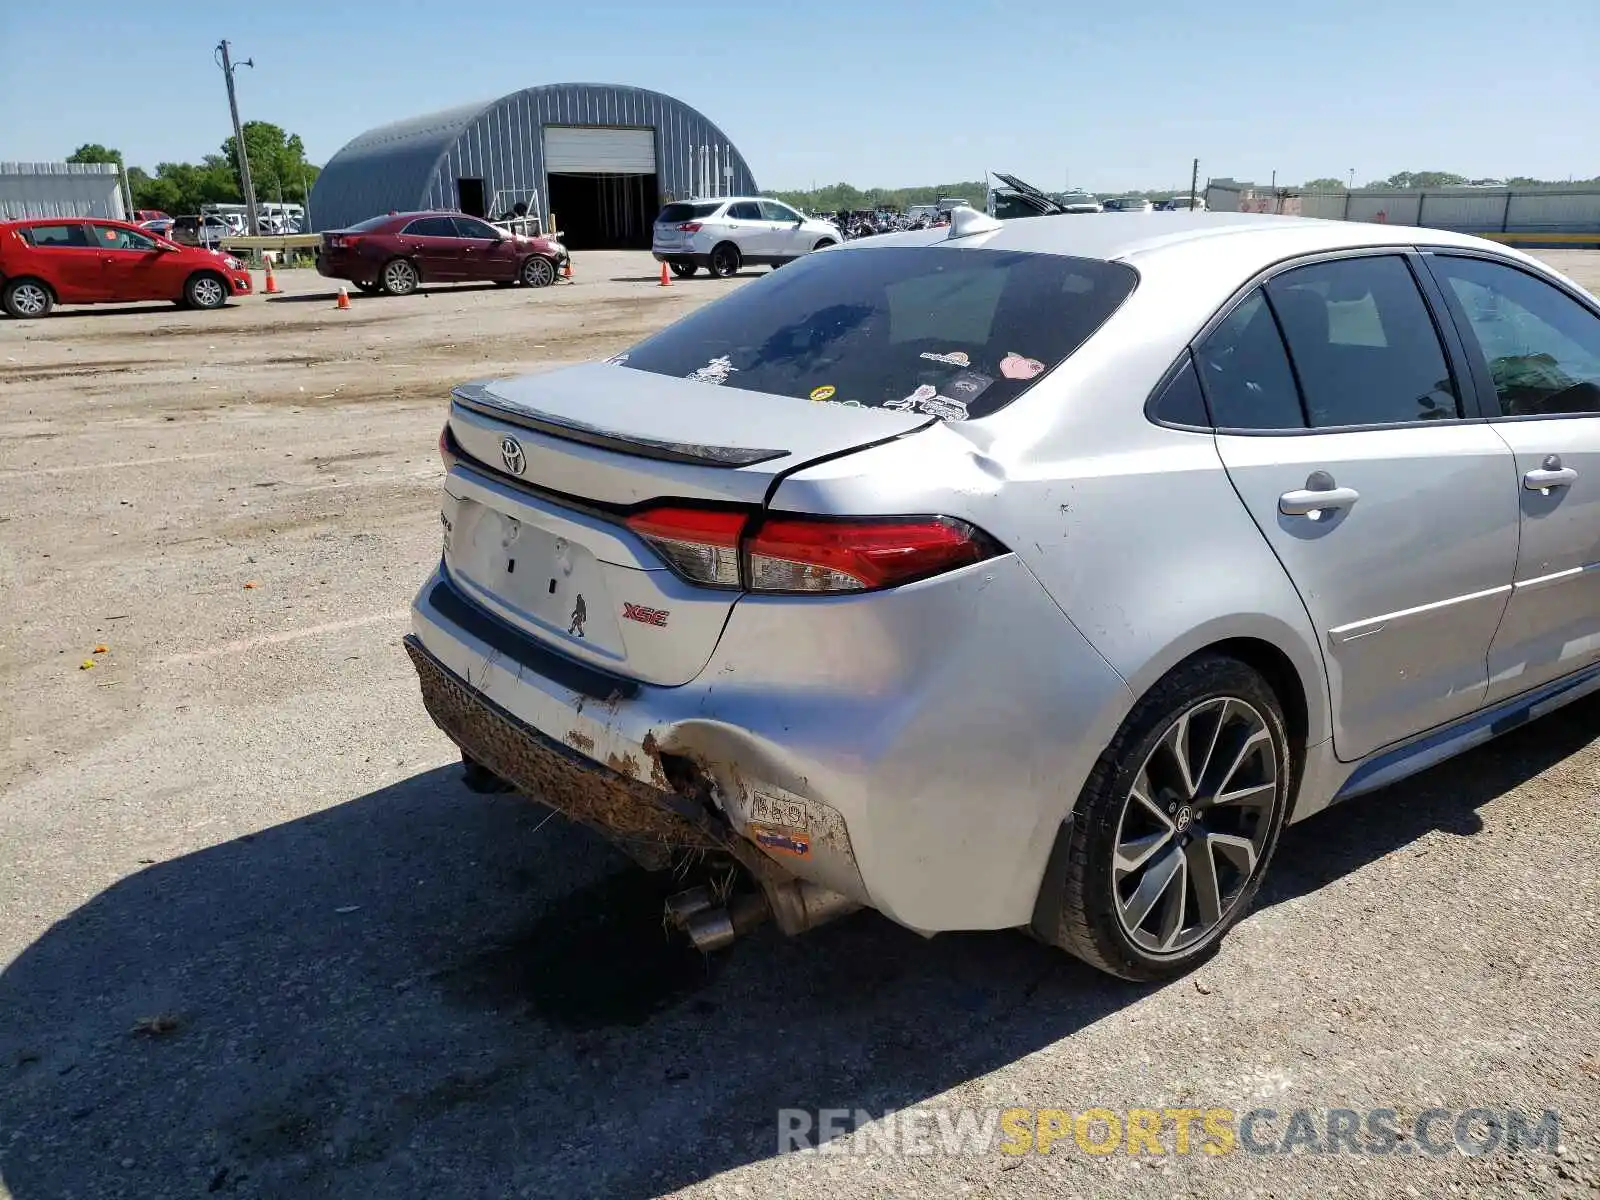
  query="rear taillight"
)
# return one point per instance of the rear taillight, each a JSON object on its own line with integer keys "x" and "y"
{"x": 808, "y": 555}
{"x": 689, "y": 227}
{"x": 341, "y": 242}
{"x": 448, "y": 454}
{"x": 700, "y": 544}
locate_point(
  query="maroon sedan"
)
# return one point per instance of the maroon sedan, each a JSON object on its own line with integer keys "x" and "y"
{"x": 395, "y": 253}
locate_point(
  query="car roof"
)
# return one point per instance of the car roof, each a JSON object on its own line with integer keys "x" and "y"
{"x": 1141, "y": 236}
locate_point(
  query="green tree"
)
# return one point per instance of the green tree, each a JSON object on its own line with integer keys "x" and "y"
{"x": 278, "y": 164}
{"x": 1325, "y": 184}
{"x": 94, "y": 152}
{"x": 1413, "y": 180}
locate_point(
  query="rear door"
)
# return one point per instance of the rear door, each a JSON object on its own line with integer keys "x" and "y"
{"x": 1394, "y": 514}
{"x": 486, "y": 252}
{"x": 751, "y": 231}
{"x": 1540, "y": 356}
{"x": 64, "y": 255}
{"x": 133, "y": 267}
{"x": 434, "y": 244}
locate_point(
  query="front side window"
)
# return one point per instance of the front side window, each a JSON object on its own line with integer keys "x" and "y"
{"x": 946, "y": 332}
{"x": 1246, "y": 373}
{"x": 771, "y": 210}
{"x": 1542, "y": 346}
{"x": 1363, "y": 344}
{"x": 471, "y": 227}
{"x": 55, "y": 237}
{"x": 112, "y": 238}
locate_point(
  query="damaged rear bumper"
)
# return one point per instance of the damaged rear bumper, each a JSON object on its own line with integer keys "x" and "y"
{"x": 647, "y": 822}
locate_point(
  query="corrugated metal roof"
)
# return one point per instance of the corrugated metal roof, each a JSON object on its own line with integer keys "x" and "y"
{"x": 415, "y": 163}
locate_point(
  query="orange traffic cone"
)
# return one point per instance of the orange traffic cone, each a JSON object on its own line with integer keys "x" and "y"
{"x": 566, "y": 271}
{"x": 344, "y": 299}
{"x": 666, "y": 279}
{"x": 272, "y": 288}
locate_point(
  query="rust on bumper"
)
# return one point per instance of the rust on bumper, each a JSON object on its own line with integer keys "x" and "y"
{"x": 649, "y": 824}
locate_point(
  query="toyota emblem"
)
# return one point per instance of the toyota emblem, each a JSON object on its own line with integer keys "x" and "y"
{"x": 511, "y": 452}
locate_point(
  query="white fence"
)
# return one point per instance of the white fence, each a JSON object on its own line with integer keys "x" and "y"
{"x": 1482, "y": 210}
{"x": 60, "y": 190}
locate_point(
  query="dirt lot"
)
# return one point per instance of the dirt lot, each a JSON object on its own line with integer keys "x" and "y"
{"x": 256, "y": 940}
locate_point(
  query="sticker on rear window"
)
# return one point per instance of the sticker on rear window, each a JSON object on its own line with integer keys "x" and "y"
{"x": 956, "y": 358}
{"x": 714, "y": 372}
{"x": 968, "y": 385}
{"x": 926, "y": 399}
{"x": 825, "y": 392}
{"x": 1015, "y": 366}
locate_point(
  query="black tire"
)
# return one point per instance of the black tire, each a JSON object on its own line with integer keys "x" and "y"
{"x": 25, "y": 299}
{"x": 399, "y": 277}
{"x": 1080, "y": 909}
{"x": 367, "y": 289}
{"x": 205, "y": 290}
{"x": 683, "y": 270}
{"x": 537, "y": 272}
{"x": 824, "y": 244}
{"x": 725, "y": 261}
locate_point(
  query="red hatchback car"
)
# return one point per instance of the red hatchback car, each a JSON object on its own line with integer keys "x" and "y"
{"x": 397, "y": 252}
{"x": 60, "y": 260}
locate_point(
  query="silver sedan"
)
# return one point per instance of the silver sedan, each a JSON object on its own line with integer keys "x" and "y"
{"x": 1028, "y": 575}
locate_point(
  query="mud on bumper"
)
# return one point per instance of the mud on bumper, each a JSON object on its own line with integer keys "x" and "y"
{"x": 652, "y": 825}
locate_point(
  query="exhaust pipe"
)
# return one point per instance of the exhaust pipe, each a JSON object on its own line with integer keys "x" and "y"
{"x": 712, "y": 926}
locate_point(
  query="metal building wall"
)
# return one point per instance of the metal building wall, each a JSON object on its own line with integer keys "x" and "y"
{"x": 416, "y": 163}
{"x": 384, "y": 169}
{"x": 504, "y": 146}
{"x": 60, "y": 190}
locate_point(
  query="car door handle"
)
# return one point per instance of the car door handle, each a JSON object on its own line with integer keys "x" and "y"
{"x": 1545, "y": 478}
{"x": 1305, "y": 501}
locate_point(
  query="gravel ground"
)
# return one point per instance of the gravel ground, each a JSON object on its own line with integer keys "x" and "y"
{"x": 256, "y": 940}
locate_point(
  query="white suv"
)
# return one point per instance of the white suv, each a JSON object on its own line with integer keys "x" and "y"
{"x": 723, "y": 235}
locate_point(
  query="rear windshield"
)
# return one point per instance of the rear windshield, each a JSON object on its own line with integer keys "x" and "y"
{"x": 946, "y": 332}
{"x": 674, "y": 213}
{"x": 370, "y": 223}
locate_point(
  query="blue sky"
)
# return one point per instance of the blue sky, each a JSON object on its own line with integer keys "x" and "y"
{"x": 1109, "y": 94}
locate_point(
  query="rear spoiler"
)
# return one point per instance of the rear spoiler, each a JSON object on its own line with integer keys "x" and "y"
{"x": 481, "y": 399}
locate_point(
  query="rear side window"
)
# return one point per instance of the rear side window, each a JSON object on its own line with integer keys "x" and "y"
{"x": 1362, "y": 343}
{"x": 1542, "y": 346}
{"x": 55, "y": 236}
{"x": 677, "y": 214}
{"x": 431, "y": 227}
{"x": 1246, "y": 373}
{"x": 747, "y": 210}
{"x": 948, "y": 332}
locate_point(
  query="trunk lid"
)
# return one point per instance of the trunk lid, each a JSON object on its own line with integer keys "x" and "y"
{"x": 536, "y": 538}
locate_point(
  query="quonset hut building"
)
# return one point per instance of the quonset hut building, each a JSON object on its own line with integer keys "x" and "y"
{"x": 601, "y": 158}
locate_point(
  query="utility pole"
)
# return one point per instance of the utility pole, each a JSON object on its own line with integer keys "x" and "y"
{"x": 1194, "y": 183}
{"x": 228, "y": 68}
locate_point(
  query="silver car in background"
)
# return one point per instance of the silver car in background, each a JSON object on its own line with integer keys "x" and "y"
{"x": 1029, "y": 574}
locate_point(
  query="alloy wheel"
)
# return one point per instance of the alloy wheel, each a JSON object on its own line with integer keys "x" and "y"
{"x": 539, "y": 272}
{"x": 399, "y": 277}
{"x": 208, "y": 293}
{"x": 30, "y": 299}
{"x": 1195, "y": 825}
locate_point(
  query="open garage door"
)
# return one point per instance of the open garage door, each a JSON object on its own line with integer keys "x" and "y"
{"x": 603, "y": 186}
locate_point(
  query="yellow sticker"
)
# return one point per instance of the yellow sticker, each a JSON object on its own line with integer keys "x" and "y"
{"x": 825, "y": 392}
